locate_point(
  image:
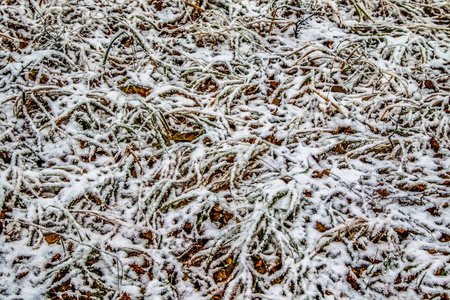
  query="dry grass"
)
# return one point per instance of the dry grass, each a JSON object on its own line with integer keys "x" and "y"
{"x": 224, "y": 149}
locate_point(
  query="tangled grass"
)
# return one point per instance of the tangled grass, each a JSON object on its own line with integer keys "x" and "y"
{"x": 220, "y": 149}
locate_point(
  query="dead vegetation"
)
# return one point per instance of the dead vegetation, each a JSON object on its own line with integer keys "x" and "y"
{"x": 224, "y": 149}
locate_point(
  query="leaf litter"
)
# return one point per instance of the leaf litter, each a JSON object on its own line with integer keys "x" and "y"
{"x": 224, "y": 149}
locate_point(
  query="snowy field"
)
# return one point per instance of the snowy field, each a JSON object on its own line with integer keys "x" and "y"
{"x": 219, "y": 149}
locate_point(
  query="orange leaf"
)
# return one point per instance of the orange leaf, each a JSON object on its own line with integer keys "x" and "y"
{"x": 320, "y": 227}
{"x": 434, "y": 145}
{"x": 125, "y": 297}
{"x": 317, "y": 174}
{"x": 259, "y": 265}
{"x": 52, "y": 238}
{"x": 353, "y": 282}
{"x": 383, "y": 193}
{"x": 444, "y": 238}
{"x": 137, "y": 269}
{"x": 418, "y": 188}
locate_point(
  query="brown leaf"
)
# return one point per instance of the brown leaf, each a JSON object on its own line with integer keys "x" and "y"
{"x": 125, "y": 297}
{"x": 382, "y": 193}
{"x": 215, "y": 213}
{"x": 338, "y": 89}
{"x": 347, "y": 130}
{"x": 434, "y": 145}
{"x": 56, "y": 257}
{"x": 135, "y": 89}
{"x": 220, "y": 276}
{"x": 52, "y": 238}
{"x": 187, "y": 256}
{"x": 187, "y": 136}
{"x": 220, "y": 186}
{"x": 259, "y": 264}
{"x": 137, "y": 269}
{"x": 274, "y": 84}
{"x": 23, "y": 44}
{"x": 411, "y": 278}
{"x": 317, "y": 174}
{"x": 417, "y": 188}
{"x": 276, "y": 268}
{"x": 402, "y": 233}
{"x": 328, "y": 43}
{"x": 219, "y": 296}
{"x": 444, "y": 238}
{"x": 159, "y": 5}
{"x": 126, "y": 41}
{"x": 226, "y": 217}
{"x": 286, "y": 179}
{"x": 5, "y": 156}
{"x": 273, "y": 140}
{"x": 433, "y": 211}
{"x": 221, "y": 216}
{"x": 187, "y": 227}
{"x": 207, "y": 142}
{"x": 358, "y": 271}
{"x": 250, "y": 140}
{"x": 276, "y": 102}
{"x": 321, "y": 227}
{"x": 251, "y": 90}
{"x": 429, "y": 84}
{"x": 440, "y": 272}
{"x": 22, "y": 275}
{"x": 353, "y": 282}
{"x": 339, "y": 149}
{"x": 148, "y": 235}
{"x": 209, "y": 85}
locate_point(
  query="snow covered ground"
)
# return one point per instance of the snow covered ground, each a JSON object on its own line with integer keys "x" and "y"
{"x": 218, "y": 149}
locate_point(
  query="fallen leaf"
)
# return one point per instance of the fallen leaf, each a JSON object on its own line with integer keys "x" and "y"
{"x": 317, "y": 174}
{"x": 417, "y": 188}
{"x": 429, "y": 84}
{"x": 259, "y": 264}
{"x": 275, "y": 268}
{"x": 338, "y": 89}
{"x": 158, "y": 5}
{"x": 433, "y": 211}
{"x": 320, "y": 227}
{"x": 22, "y": 275}
{"x": 444, "y": 238}
{"x": 353, "y": 282}
{"x": 52, "y": 238}
{"x": 274, "y": 141}
{"x": 347, "y": 130}
{"x": 251, "y": 90}
{"x": 402, "y": 233}
{"x": 220, "y": 276}
{"x": 383, "y": 193}
{"x": 328, "y": 43}
{"x": 187, "y": 136}
{"x": 125, "y": 297}
{"x": 137, "y": 269}
{"x": 358, "y": 271}
{"x": 146, "y": 235}
{"x": 434, "y": 145}
{"x": 56, "y": 257}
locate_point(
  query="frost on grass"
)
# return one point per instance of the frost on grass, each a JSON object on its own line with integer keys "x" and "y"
{"x": 224, "y": 149}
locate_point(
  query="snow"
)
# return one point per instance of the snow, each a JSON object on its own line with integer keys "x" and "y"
{"x": 256, "y": 149}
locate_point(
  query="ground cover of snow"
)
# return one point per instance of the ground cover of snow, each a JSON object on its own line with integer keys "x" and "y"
{"x": 218, "y": 149}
